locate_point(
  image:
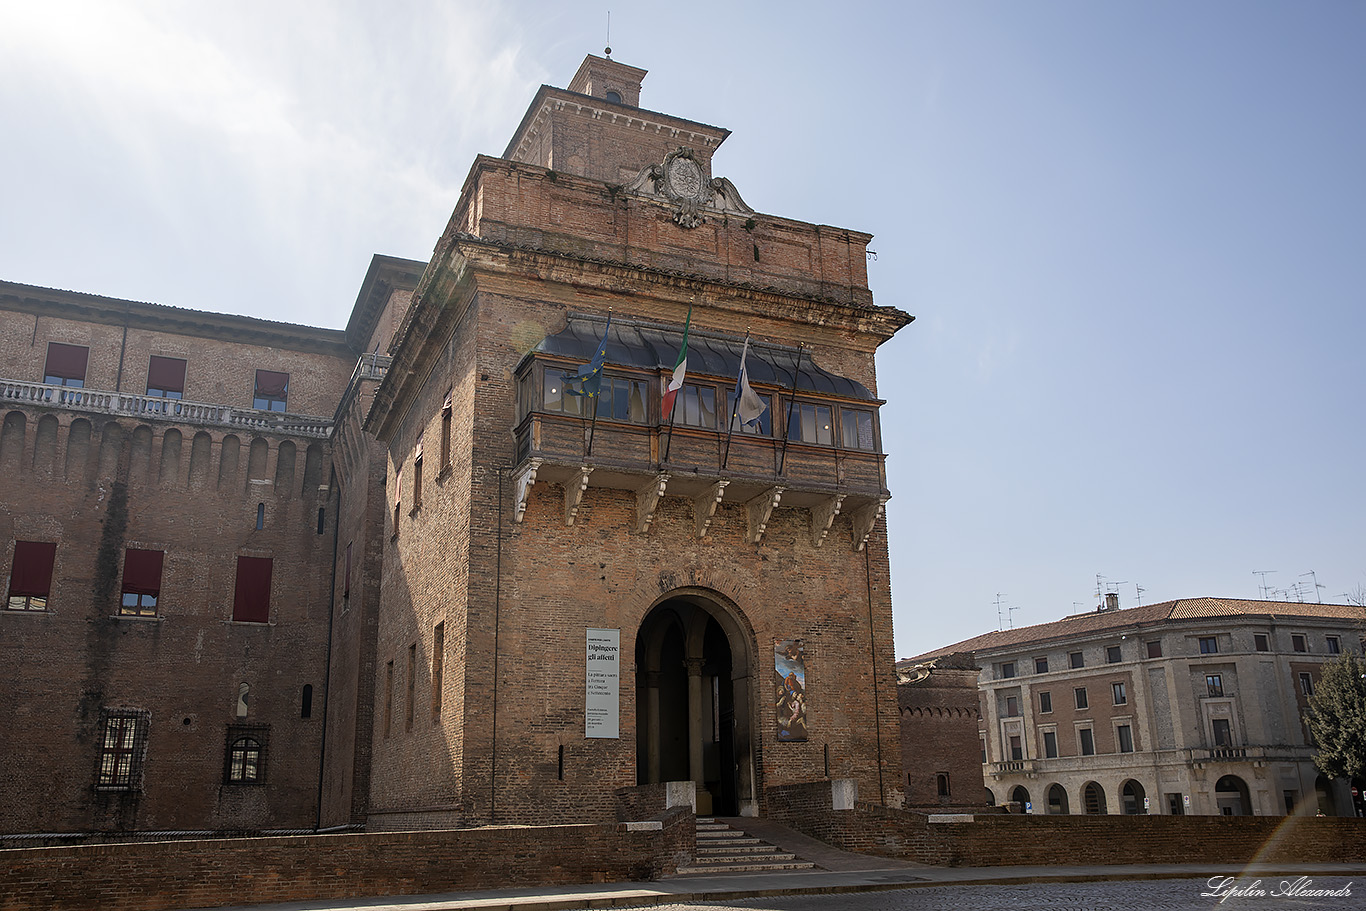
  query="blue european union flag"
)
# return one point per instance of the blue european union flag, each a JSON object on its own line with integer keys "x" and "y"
{"x": 588, "y": 378}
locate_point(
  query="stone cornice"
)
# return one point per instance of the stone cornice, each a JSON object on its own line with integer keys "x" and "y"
{"x": 386, "y": 273}
{"x": 92, "y": 308}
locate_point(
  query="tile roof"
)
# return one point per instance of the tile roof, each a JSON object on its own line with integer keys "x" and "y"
{"x": 1095, "y": 622}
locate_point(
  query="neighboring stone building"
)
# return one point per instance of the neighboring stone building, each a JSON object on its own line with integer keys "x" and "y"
{"x": 265, "y": 576}
{"x": 939, "y": 731}
{"x": 1189, "y": 706}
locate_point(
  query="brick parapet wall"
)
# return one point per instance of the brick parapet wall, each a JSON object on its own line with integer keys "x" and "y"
{"x": 212, "y": 873}
{"x": 1009, "y": 839}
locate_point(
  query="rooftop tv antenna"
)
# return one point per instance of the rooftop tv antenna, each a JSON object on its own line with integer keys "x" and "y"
{"x": 1000, "y": 620}
{"x": 1138, "y": 592}
{"x": 1009, "y": 612}
{"x": 1262, "y": 589}
{"x": 1317, "y": 587}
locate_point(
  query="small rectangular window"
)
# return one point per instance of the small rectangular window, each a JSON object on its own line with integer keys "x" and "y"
{"x": 1075, "y": 659}
{"x": 417, "y": 473}
{"x": 1175, "y": 805}
{"x": 166, "y": 377}
{"x": 1209, "y": 645}
{"x": 1261, "y": 642}
{"x": 984, "y": 751}
{"x": 1050, "y": 745}
{"x": 1007, "y": 669}
{"x": 698, "y": 407}
{"x": 1117, "y": 690}
{"x": 856, "y": 429}
{"x": 1306, "y": 684}
{"x": 1214, "y": 684}
{"x": 141, "y": 582}
{"x": 1155, "y": 648}
{"x": 66, "y": 364}
{"x": 30, "y": 578}
{"x": 1041, "y": 665}
{"x": 1112, "y": 655}
{"x": 1012, "y": 706}
{"x": 388, "y": 699}
{"x": 1223, "y": 733}
{"x": 251, "y": 597}
{"x": 1045, "y": 702}
{"x": 1298, "y": 643}
{"x": 446, "y": 430}
{"x": 1080, "y": 694}
{"x": 810, "y": 423}
{"x": 412, "y": 687}
{"x": 438, "y": 666}
{"x": 272, "y": 391}
{"x": 1016, "y": 751}
{"x": 1088, "y": 743}
{"x": 1126, "y": 738}
{"x": 1334, "y": 645}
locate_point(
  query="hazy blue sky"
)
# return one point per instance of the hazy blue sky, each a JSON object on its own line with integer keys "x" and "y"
{"x": 1133, "y": 235}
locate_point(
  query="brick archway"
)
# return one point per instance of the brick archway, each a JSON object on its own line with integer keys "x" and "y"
{"x": 695, "y": 692}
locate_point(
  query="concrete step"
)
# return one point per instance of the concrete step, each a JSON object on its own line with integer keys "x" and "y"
{"x": 727, "y": 838}
{"x": 709, "y": 860}
{"x": 732, "y": 850}
{"x": 746, "y": 867}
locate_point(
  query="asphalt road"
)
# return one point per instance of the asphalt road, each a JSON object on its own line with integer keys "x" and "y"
{"x": 1148, "y": 895}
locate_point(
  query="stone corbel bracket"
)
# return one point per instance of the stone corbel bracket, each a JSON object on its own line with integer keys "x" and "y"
{"x": 704, "y": 506}
{"x": 759, "y": 510}
{"x": 525, "y": 478}
{"x": 823, "y": 516}
{"x": 647, "y": 501}
{"x": 573, "y": 492}
{"x": 865, "y": 517}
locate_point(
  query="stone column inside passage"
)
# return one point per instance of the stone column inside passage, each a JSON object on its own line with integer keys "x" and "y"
{"x": 652, "y": 725}
{"x": 695, "y": 707}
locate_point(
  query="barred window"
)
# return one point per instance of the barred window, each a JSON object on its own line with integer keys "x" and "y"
{"x": 246, "y": 756}
{"x": 122, "y": 749}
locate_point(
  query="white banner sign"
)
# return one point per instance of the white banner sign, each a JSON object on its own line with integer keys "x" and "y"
{"x": 602, "y": 688}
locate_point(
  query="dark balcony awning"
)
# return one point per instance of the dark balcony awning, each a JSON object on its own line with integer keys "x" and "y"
{"x": 650, "y": 346}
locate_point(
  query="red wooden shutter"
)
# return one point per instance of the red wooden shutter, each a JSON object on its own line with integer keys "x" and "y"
{"x": 32, "y": 570}
{"x": 166, "y": 373}
{"x": 66, "y": 361}
{"x": 142, "y": 572}
{"x": 251, "y": 599}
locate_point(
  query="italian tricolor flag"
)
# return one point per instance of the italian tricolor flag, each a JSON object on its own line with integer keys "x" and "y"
{"x": 675, "y": 382}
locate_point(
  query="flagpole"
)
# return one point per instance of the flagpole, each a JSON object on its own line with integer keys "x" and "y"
{"x": 787, "y": 427}
{"x": 673, "y": 403}
{"x": 593, "y": 397}
{"x": 735, "y": 407}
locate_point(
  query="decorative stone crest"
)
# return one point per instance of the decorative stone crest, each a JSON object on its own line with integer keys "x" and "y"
{"x": 681, "y": 182}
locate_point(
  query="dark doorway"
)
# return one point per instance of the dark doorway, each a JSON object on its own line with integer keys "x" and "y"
{"x": 688, "y": 726}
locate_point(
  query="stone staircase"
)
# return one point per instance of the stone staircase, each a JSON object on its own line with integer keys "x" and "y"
{"x": 721, "y": 849}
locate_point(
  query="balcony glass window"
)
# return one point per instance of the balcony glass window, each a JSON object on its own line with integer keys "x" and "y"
{"x": 857, "y": 429}
{"x": 1012, "y": 706}
{"x": 1088, "y": 742}
{"x": 698, "y": 407}
{"x": 1016, "y": 751}
{"x": 1223, "y": 734}
{"x": 811, "y": 423}
{"x": 623, "y": 399}
{"x": 1214, "y": 684}
{"x": 166, "y": 377}
{"x": 1050, "y": 745}
{"x": 553, "y": 396}
{"x": 762, "y": 427}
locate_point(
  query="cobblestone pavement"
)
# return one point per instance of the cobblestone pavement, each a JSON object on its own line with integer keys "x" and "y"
{"x": 1142, "y": 895}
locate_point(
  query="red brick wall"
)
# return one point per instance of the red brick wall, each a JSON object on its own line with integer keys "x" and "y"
{"x": 201, "y": 874}
{"x": 939, "y": 735}
{"x": 1011, "y": 839}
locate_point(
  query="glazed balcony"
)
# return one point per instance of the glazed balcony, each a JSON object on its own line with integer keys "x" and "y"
{"x": 827, "y": 462}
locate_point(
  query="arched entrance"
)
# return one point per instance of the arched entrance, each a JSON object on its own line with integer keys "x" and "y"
{"x": 1132, "y": 795}
{"x": 1057, "y": 801}
{"x": 694, "y": 681}
{"x": 1093, "y": 799}
{"x": 1231, "y": 796}
{"x": 1020, "y": 794}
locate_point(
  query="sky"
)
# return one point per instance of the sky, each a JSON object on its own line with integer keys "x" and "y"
{"x": 1133, "y": 235}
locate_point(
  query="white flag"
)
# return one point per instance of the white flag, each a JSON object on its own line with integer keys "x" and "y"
{"x": 748, "y": 405}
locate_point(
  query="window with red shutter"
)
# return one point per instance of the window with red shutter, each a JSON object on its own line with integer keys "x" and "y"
{"x": 30, "y": 578}
{"x": 141, "y": 582}
{"x": 251, "y": 598}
